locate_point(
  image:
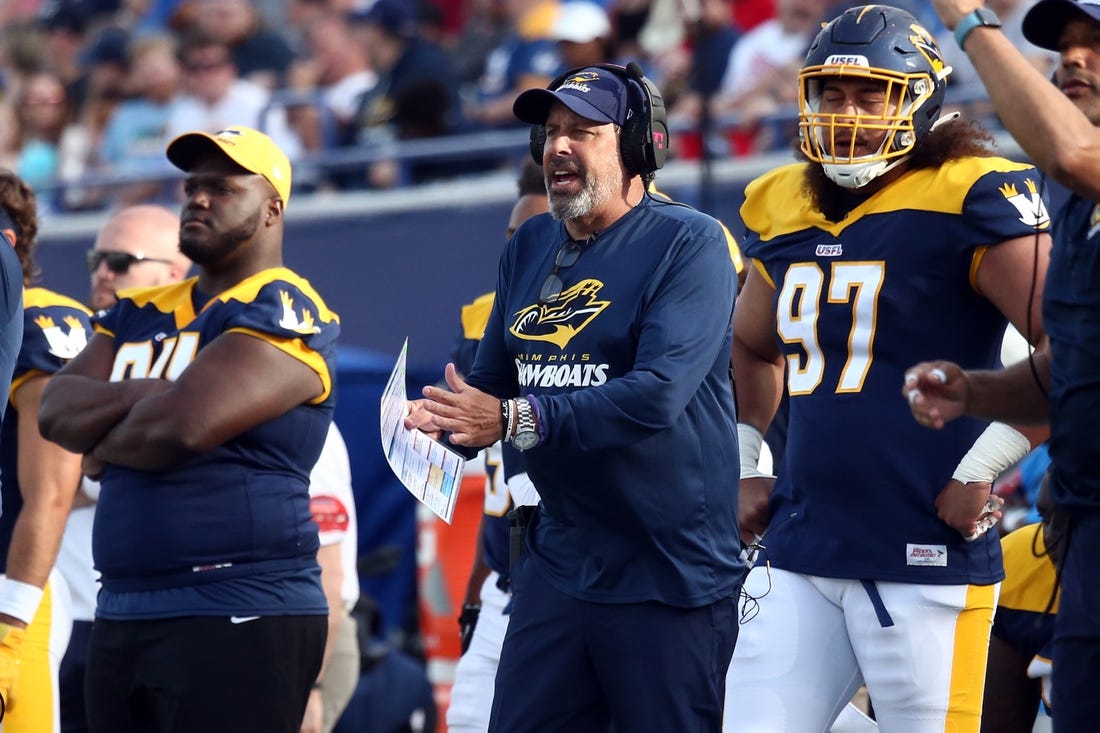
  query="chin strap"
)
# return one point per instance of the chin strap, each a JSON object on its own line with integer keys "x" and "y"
{"x": 943, "y": 120}
{"x": 842, "y": 174}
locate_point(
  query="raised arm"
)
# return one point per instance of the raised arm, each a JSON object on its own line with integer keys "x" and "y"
{"x": 1053, "y": 132}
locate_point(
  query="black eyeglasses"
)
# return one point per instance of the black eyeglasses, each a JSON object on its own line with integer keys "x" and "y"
{"x": 118, "y": 262}
{"x": 567, "y": 256}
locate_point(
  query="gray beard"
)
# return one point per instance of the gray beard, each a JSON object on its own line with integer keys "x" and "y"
{"x": 573, "y": 207}
{"x": 591, "y": 196}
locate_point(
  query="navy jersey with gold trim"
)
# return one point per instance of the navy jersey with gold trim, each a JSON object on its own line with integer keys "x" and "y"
{"x": 229, "y": 531}
{"x": 1022, "y": 620}
{"x": 630, "y": 366}
{"x": 55, "y": 329}
{"x": 502, "y": 462}
{"x": 857, "y": 302}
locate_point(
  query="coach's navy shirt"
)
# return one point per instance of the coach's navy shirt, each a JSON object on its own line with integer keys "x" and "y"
{"x": 1071, "y": 315}
{"x": 638, "y": 466}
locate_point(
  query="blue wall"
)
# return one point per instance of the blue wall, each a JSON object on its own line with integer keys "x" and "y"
{"x": 389, "y": 274}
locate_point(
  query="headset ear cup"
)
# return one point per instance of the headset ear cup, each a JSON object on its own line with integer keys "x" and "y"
{"x": 632, "y": 146}
{"x": 538, "y": 142}
{"x": 659, "y": 147}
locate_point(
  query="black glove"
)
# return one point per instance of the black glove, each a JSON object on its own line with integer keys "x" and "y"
{"x": 467, "y": 622}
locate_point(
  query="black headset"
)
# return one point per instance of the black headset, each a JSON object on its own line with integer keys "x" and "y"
{"x": 644, "y": 140}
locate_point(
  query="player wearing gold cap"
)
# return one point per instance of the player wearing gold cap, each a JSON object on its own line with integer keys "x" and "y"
{"x": 202, "y": 406}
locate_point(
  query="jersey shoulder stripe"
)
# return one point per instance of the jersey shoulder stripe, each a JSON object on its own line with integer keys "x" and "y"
{"x": 55, "y": 329}
{"x": 248, "y": 290}
{"x": 43, "y": 298}
{"x": 777, "y": 204}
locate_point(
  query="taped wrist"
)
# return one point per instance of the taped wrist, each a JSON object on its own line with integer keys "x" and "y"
{"x": 19, "y": 600}
{"x": 749, "y": 441}
{"x": 996, "y": 449}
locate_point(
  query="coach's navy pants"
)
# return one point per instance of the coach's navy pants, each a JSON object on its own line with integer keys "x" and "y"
{"x": 576, "y": 666}
{"x": 1076, "y": 659}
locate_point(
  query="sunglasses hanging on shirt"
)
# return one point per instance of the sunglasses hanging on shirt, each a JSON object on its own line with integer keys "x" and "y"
{"x": 568, "y": 254}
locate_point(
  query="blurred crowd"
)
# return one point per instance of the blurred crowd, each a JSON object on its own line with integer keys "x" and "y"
{"x": 91, "y": 91}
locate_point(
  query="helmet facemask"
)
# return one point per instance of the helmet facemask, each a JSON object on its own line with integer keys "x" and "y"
{"x": 831, "y": 139}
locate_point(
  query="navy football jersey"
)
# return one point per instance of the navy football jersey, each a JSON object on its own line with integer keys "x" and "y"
{"x": 229, "y": 531}
{"x": 55, "y": 329}
{"x": 857, "y": 302}
{"x": 502, "y": 462}
{"x": 630, "y": 368}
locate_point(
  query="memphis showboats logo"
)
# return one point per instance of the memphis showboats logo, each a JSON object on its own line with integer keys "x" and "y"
{"x": 558, "y": 322}
{"x": 580, "y": 81}
{"x": 1028, "y": 205}
{"x": 63, "y": 344}
{"x": 290, "y": 320}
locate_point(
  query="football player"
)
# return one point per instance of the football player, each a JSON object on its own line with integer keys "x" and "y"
{"x": 1056, "y": 125}
{"x": 204, "y": 405}
{"x": 40, "y": 480}
{"x": 137, "y": 247}
{"x": 900, "y": 235}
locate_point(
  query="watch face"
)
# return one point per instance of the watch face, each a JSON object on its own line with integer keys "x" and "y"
{"x": 525, "y": 439}
{"x": 988, "y": 17}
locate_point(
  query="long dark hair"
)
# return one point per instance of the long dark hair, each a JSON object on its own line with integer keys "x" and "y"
{"x": 18, "y": 203}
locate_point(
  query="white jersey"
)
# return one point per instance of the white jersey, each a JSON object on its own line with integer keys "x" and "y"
{"x": 74, "y": 559}
{"x": 332, "y": 504}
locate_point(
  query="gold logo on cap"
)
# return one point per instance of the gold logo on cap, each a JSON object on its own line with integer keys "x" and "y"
{"x": 579, "y": 81}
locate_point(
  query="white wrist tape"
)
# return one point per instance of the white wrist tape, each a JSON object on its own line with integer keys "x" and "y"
{"x": 749, "y": 442}
{"x": 19, "y": 600}
{"x": 995, "y": 450}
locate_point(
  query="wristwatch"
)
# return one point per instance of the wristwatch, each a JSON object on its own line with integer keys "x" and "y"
{"x": 979, "y": 18}
{"x": 527, "y": 435}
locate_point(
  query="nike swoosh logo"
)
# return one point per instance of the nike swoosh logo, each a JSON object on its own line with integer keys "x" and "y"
{"x": 242, "y": 619}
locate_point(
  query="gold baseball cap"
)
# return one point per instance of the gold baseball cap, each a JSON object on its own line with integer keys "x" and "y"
{"x": 251, "y": 149}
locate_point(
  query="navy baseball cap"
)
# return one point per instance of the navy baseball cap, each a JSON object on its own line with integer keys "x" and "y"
{"x": 108, "y": 47}
{"x": 1044, "y": 22}
{"x": 593, "y": 93}
{"x": 63, "y": 15}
